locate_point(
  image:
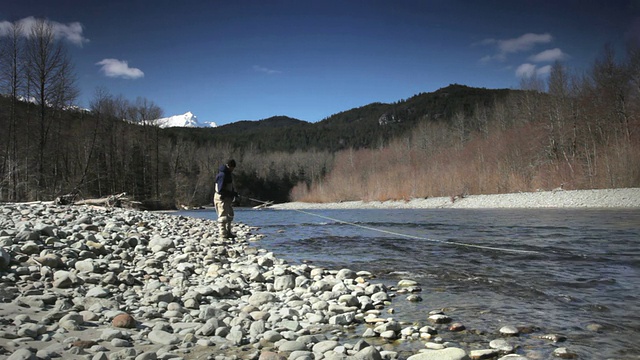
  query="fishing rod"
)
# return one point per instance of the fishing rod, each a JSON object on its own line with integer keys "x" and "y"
{"x": 267, "y": 203}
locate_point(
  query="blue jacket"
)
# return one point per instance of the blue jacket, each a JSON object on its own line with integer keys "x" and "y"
{"x": 224, "y": 183}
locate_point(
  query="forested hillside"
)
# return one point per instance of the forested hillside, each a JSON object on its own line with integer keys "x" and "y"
{"x": 571, "y": 130}
{"x": 95, "y": 153}
{"x": 367, "y": 126}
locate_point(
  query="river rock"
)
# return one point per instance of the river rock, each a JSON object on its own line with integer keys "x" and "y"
{"x": 22, "y": 354}
{"x": 564, "y": 353}
{"x": 292, "y": 345}
{"x": 439, "y": 318}
{"x": 346, "y": 274}
{"x": 261, "y": 298}
{"x": 407, "y": 283}
{"x": 124, "y": 321}
{"x": 162, "y": 337}
{"x": 324, "y": 346}
{"x": 368, "y": 353}
{"x": 483, "y": 354}
{"x": 502, "y": 345}
{"x": 509, "y": 330}
{"x": 269, "y": 355}
{"x": 444, "y": 354}
{"x": 5, "y": 258}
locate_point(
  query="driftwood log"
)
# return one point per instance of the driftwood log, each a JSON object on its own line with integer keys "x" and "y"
{"x": 263, "y": 205}
{"x": 116, "y": 200}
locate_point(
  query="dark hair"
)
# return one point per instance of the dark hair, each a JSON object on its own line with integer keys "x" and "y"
{"x": 231, "y": 163}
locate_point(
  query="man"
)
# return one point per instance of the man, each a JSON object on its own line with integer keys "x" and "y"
{"x": 224, "y": 197}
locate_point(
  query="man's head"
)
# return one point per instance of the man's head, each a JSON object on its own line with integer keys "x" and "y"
{"x": 231, "y": 164}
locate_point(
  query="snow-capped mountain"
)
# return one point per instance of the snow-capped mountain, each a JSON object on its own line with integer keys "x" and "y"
{"x": 185, "y": 120}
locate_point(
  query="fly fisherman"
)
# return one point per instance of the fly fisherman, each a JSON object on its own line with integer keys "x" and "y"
{"x": 224, "y": 197}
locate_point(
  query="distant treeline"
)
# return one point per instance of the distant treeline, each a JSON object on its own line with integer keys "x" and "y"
{"x": 572, "y": 131}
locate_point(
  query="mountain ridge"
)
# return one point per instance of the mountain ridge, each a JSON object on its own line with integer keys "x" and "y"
{"x": 361, "y": 127}
{"x": 187, "y": 119}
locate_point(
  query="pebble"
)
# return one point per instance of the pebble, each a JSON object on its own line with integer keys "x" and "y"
{"x": 94, "y": 283}
{"x": 509, "y": 330}
{"x": 563, "y": 353}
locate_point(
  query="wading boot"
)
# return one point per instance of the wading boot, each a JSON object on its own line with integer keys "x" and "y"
{"x": 222, "y": 230}
{"x": 230, "y": 235}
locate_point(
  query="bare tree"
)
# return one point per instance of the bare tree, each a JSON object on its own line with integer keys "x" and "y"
{"x": 12, "y": 76}
{"x": 145, "y": 112}
{"x": 50, "y": 77}
{"x": 613, "y": 84}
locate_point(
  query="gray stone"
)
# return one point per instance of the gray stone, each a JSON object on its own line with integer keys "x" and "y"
{"x": 235, "y": 336}
{"x": 509, "y": 330}
{"x": 564, "y": 353}
{"x": 22, "y": 354}
{"x": 159, "y": 243}
{"x": 147, "y": 356}
{"x": 389, "y": 335}
{"x": 85, "y": 266}
{"x": 368, "y": 353}
{"x": 5, "y": 258}
{"x": 440, "y": 318}
{"x": 261, "y": 298}
{"x": 407, "y": 283}
{"x": 120, "y": 343}
{"x": 292, "y": 345}
{"x": 342, "y": 319}
{"x": 444, "y": 354}
{"x": 50, "y": 260}
{"x": 301, "y": 355}
{"x": 27, "y": 235}
{"x": 346, "y": 274}
{"x": 380, "y": 296}
{"x": 272, "y": 336}
{"x": 324, "y": 346}
{"x": 284, "y": 282}
{"x": 30, "y": 330}
{"x": 483, "y": 354}
{"x": 501, "y": 345}
{"x": 161, "y": 337}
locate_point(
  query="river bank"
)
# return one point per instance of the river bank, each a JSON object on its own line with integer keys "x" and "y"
{"x": 598, "y": 198}
{"x": 93, "y": 283}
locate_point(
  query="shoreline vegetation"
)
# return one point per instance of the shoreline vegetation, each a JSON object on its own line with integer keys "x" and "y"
{"x": 597, "y": 198}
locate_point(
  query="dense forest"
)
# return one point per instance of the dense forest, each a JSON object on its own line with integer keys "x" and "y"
{"x": 572, "y": 130}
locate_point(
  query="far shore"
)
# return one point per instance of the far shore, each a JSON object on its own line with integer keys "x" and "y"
{"x": 598, "y": 198}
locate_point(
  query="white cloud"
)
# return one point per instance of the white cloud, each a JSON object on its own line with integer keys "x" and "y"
{"x": 550, "y": 55}
{"x": 510, "y": 46}
{"x": 523, "y": 43}
{"x": 545, "y": 70}
{"x": 71, "y": 32}
{"x": 489, "y": 58}
{"x": 265, "y": 70}
{"x": 119, "y": 68}
{"x": 5, "y": 26}
{"x": 528, "y": 70}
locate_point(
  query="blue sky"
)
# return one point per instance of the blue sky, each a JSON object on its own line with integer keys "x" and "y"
{"x": 247, "y": 60}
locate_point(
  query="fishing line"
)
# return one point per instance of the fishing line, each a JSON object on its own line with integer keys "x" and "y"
{"x": 407, "y": 235}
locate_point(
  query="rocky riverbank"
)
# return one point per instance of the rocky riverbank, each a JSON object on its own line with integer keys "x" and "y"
{"x": 94, "y": 283}
{"x": 599, "y": 198}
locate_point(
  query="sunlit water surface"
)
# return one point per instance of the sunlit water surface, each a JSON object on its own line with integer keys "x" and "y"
{"x": 581, "y": 267}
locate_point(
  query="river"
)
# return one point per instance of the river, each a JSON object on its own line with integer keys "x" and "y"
{"x": 574, "y": 272}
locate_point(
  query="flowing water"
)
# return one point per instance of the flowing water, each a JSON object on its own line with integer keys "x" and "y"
{"x": 572, "y": 272}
